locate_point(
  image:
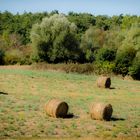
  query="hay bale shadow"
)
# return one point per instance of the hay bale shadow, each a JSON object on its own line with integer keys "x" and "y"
{"x": 70, "y": 116}
{"x": 3, "y": 93}
{"x": 114, "y": 118}
{"x": 112, "y": 88}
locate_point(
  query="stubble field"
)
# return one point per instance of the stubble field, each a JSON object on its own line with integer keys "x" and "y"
{"x": 24, "y": 92}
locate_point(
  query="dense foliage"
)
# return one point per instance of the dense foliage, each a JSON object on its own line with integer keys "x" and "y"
{"x": 54, "y": 40}
{"x": 108, "y": 42}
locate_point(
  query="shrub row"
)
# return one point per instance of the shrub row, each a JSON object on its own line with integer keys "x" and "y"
{"x": 89, "y": 68}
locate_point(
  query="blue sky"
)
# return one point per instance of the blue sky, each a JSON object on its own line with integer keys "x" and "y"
{"x": 102, "y": 7}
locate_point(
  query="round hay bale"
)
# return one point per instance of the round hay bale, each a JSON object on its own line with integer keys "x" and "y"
{"x": 104, "y": 82}
{"x": 56, "y": 108}
{"x": 101, "y": 111}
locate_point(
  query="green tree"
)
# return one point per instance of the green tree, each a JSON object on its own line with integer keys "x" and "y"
{"x": 92, "y": 39}
{"x": 128, "y": 21}
{"x": 116, "y": 21}
{"x": 124, "y": 59}
{"x": 54, "y": 40}
{"x": 134, "y": 70}
{"x": 113, "y": 38}
{"x": 127, "y": 51}
{"x": 103, "y": 22}
{"x": 82, "y": 20}
{"x": 133, "y": 37}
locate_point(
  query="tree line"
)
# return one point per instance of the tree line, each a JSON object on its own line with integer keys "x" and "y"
{"x": 112, "y": 42}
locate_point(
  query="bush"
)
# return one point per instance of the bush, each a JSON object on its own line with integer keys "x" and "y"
{"x": 104, "y": 67}
{"x": 68, "y": 68}
{"x": 88, "y": 68}
{"x": 134, "y": 70}
{"x": 13, "y": 56}
{"x": 26, "y": 58}
{"x": 106, "y": 54}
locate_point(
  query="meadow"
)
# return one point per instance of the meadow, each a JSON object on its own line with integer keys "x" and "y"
{"x": 24, "y": 92}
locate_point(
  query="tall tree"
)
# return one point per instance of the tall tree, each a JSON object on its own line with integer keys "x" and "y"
{"x": 54, "y": 39}
{"x": 92, "y": 39}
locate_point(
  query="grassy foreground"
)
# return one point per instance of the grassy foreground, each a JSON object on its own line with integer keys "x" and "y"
{"x": 24, "y": 92}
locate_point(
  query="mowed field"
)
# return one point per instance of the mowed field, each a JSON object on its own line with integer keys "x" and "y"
{"x": 24, "y": 92}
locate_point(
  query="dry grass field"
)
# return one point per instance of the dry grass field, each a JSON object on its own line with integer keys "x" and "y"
{"x": 24, "y": 92}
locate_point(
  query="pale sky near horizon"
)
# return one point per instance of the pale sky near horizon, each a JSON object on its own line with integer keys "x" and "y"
{"x": 96, "y": 7}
